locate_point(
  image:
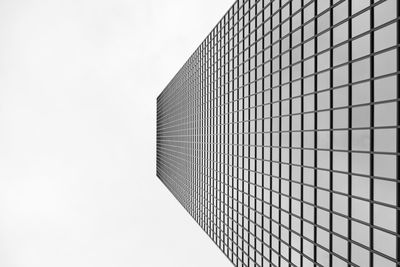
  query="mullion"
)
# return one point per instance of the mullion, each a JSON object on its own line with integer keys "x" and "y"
{"x": 247, "y": 51}
{"x": 214, "y": 141}
{"x": 280, "y": 134}
{"x": 349, "y": 140}
{"x": 209, "y": 136}
{"x": 398, "y": 136}
{"x": 223, "y": 82}
{"x": 290, "y": 135}
{"x": 230, "y": 152}
{"x": 241, "y": 53}
{"x": 219, "y": 137}
{"x": 237, "y": 145}
{"x": 262, "y": 176}
{"x": 371, "y": 136}
{"x": 315, "y": 80}
{"x": 301, "y": 138}
{"x": 331, "y": 135}
{"x": 270, "y": 135}
{"x": 256, "y": 252}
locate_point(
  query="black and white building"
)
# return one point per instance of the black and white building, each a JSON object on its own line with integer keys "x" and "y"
{"x": 280, "y": 134}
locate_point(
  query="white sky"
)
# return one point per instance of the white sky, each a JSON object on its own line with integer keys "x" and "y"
{"x": 78, "y": 87}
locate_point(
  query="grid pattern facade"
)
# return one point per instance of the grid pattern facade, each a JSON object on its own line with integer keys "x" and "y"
{"x": 280, "y": 134}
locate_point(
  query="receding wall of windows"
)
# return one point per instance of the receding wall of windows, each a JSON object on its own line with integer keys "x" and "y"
{"x": 280, "y": 134}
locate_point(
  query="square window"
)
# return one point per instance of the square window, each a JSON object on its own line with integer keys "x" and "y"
{"x": 323, "y": 81}
{"x": 340, "y": 204}
{"x": 308, "y": 157}
{"x": 323, "y": 218}
{"x": 322, "y": 237}
{"x": 309, "y": 85}
{"x": 385, "y": 140}
{"x": 308, "y": 230}
{"x": 360, "y": 256}
{"x": 340, "y": 12}
{"x": 323, "y": 179}
{"x": 340, "y": 55}
{"x": 360, "y": 163}
{"x": 323, "y": 100}
{"x": 323, "y": 120}
{"x": 385, "y": 38}
{"x": 385, "y": 63}
{"x": 360, "y": 186}
{"x": 385, "y": 12}
{"x": 381, "y": 261}
{"x": 323, "y": 159}
{"x": 340, "y": 76}
{"x": 308, "y": 139}
{"x": 340, "y": 182}
{"x": 339, "y": 246}
{"x": 308, "y": 66}
{"x": 309, "y": 30}
{"x": 323, "y": 41}
{"x": 323, "y": 22}
{"x": 361, "y": 70}
{"x": 323, "y": 138}
{"x": 340, "y": 118}
{"x": 322, "y": 257}
{"x": 340, "y": 33}
{"x": 308, "y": 121}
{"x": 308, "y": 48}
{"x": 385, "y": 191}
{"x": 308, "y": 103}
{"x": 360, "y": 233}
{"x": 340, "y": 140}
{"x": 361, "y": 117}
{"x": 339, "y": 262}
{"x": 340, "y": 97}
{"x": 360, "y": 209}
{"x": 361, "y": 93}
{"x": 385, "y": 88}
{"x": 361, "y": 47}
{"x": 359, "y": 5}
{"x": 360, "y": 23}
{"x": 295, "y": 258}
{"x": 385, "y": 217}
{"x": 323, "y": 5}
{"x": 340, "y": 224}
{"x": 323, "y": 198}
{"x": 360, "y": 140}
{"x": 296, "y": 105}
{"x": 385, "y": 243}
{"x": 340, "y": 162}
{"x": 385, "y": 114}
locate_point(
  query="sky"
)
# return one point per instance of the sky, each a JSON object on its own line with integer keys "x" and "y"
{"x": 78, "y": 87}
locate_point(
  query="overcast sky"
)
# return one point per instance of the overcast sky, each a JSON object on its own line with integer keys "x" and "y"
{"x": 78, "y": 87}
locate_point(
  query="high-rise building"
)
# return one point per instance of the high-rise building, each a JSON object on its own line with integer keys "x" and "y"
{"x": 280, "y": 134}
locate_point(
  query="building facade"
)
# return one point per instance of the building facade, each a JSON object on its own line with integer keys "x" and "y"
{"x": 280, "y": 134}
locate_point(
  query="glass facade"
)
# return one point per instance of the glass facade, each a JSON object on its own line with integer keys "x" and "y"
{"x": 280, "y": 134}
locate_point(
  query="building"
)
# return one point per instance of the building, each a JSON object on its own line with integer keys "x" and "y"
{"x": 280, "y": 134}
